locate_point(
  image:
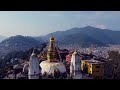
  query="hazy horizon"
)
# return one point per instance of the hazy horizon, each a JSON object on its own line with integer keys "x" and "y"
{"x": 39, "y": 23}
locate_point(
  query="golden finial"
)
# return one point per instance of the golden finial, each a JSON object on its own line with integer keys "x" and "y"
{"x": 51, "y": 38}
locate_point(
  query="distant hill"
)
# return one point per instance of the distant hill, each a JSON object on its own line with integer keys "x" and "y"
{"x": 2, "y": 38}
{"x": 81, "y": 40}
{"x": 18, "y": 42}
{"x": 39, "y": 38}
{"x": 86, "y": 36}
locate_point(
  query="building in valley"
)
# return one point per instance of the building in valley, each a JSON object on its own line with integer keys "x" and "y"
{"x": 94, "y": 68}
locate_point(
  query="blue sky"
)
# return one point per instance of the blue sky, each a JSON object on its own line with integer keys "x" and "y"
{"x": 36, "y": 23}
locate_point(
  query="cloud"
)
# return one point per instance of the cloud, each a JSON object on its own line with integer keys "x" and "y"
{"x": 101, "y": 26}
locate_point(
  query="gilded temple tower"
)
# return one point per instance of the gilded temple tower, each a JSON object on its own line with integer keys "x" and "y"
{"x": 51, "y": 53}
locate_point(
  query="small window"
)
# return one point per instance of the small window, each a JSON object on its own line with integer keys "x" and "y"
{"x": 97, "y": 66}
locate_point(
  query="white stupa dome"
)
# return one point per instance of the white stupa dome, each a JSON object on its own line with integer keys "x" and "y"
{"x": 50, "y": 67}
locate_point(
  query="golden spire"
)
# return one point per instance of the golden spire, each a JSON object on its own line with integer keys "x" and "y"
{"x": 51, "y": 54}
{"x": 51, "y": 39}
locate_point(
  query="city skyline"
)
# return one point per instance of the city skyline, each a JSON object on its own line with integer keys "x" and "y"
{"x": 37, "y": 23}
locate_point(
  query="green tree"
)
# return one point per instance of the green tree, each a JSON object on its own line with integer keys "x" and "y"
{"x": 114, "y": 57}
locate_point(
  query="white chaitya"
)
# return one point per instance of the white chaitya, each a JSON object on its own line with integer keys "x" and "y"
{"x": 33, "y": 70}
{"x": 75, "y": 64}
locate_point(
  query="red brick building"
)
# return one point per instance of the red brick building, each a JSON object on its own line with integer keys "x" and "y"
{"x": 68, "y": 58}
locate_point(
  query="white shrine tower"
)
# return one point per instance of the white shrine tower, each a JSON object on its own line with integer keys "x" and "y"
{"x": 33, "y": 70}
{"x": 75, "y": 64}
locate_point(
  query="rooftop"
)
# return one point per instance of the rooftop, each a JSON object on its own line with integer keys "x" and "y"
{"x": 93, "y": 61}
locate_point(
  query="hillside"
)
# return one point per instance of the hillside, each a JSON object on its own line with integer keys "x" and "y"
{"x": 86, "y": 36}
{"x": 2, "y": 38}
{"x": 40, "y": 39}
{"x": 18, "y": 42}
{"x": 80, "y": 39}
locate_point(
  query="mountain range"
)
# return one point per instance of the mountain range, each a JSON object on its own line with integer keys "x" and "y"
{"x": 86, "y": 36}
